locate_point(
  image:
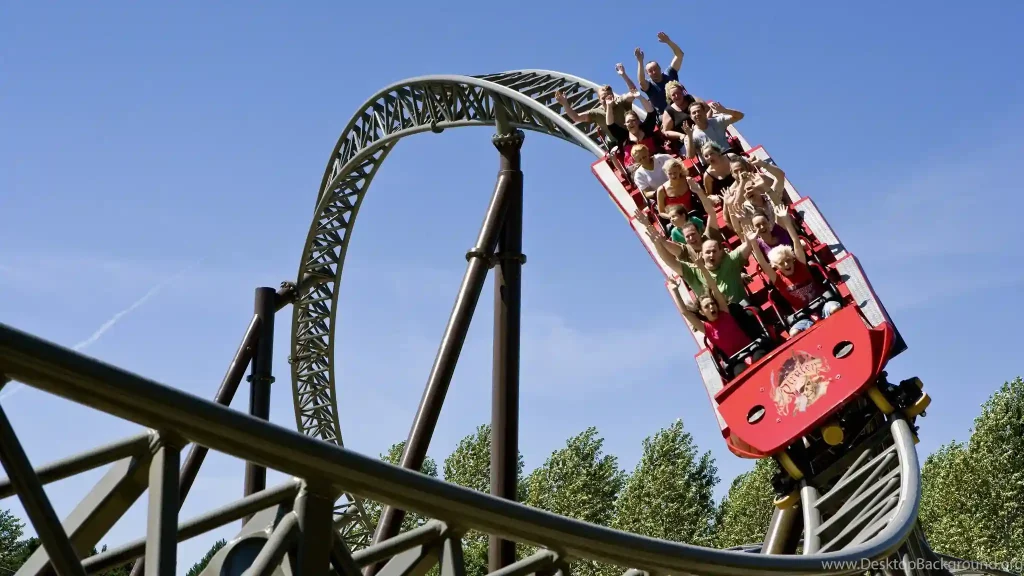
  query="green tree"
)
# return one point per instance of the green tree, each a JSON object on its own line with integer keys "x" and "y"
{"x": 580, "y": 482}
{"x": 24, "y": 549}
{"x": 11, "y": 530}
{"x": 948, "y": 511}
{"x": 746, "y": 510}
{"x": 469, "y": 465}
{"x": 972, "y": 503}
{"x": 996, "y": 454}
{"x": 198, "y": 567}
{"x": 670, "y": 494}
{"x": 394, "y": 456}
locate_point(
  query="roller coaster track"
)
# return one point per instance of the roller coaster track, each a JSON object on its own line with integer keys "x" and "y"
{"x": 840, "y": 521}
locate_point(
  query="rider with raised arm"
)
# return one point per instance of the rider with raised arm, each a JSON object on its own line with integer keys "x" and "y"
{"x": 726, "y": 268}
{"x": 722, "y": 330}
{"x": 655, "y": 88}
{"x": 711, "y": 129}
{"x": 788, "y": 271}
{"x": 609, "y": 106}
{"x": 753, "y": 193}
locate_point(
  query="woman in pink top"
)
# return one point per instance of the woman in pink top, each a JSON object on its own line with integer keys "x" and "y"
{"x": 718, "y": 325}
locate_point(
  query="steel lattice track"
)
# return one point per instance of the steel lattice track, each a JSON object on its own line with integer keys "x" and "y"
{"x": 429, "y": 103}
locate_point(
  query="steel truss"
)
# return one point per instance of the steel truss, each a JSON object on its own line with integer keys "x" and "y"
{"x": 293, "y": 523}
{"x": 519, "y": 100}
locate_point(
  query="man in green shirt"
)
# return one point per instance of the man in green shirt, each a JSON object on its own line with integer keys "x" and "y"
{"x": 725, "y": 267}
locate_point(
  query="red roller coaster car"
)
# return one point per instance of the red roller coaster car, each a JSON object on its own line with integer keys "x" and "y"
{"x": 817, "y": 394}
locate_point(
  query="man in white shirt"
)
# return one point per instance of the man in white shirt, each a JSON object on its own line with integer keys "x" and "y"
{"x": 650, "y": 172}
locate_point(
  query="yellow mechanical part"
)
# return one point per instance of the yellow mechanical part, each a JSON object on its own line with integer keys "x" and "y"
{"x": 788, "y": 501}
{"x": 832, "y": 433}
{"x": 789, "y": 466}
{"x": 922, "y": 403}
{"x": 880, "y": 400}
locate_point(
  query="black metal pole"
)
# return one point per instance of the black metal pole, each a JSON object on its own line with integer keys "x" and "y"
{"x": 260, "y": 379}
{"x": 225, "y": 394}
{"x": 447, "y": 354}
{"x": 505, "y": 371}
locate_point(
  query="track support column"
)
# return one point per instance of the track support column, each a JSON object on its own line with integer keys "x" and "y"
{"x": 260, "y": 379}
{"x": 480, "y": 259}
{"x": 505, "y": 371}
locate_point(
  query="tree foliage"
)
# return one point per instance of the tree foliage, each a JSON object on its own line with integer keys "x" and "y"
{"x": 947, "y": 510}
{"x": 745, "y": 512}
{"x": 579, "y": 481}
{"x": 13, "y": 556}
{"x": 670, "y": 494}
{"x": 394, "y": 456}
{"x": 469, "y": 465}
{"x": 11, "y": 530}
{"x": 198, "y": 567}
{"x": 973, "y": 500}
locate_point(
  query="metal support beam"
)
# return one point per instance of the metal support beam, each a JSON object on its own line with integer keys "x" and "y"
{"x": 505, "y": 371}
{"x": 162, "y": 526}
{"x": 101, "y": 508}
{"x": 812, "y": 517}
{"x": 448, "y": 353}
{"x": 84, "y": 462}
{"x": 225, "y": 394}
{"x": 260, "y": 379}
{"x": 780, "y": 536}
{"x": 269, "y": 558}
{"x": 200, "y": 525}
{"x": 315, "y": 509}
{"x": 37, "y": 506}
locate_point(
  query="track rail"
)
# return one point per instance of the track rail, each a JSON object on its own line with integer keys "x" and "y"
{"x": 327, "y": 469}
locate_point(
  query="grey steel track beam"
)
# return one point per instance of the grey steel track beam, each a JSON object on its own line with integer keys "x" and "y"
{"x": 84, "y": 380}
{"x": 198, "y": 525}
{"x": 507, "y": 319}
{"x": 429, "y": 103}
{"x": 224, "y": 396}
{"x": 90, "y": 460}
{"x": 162, "y": 525}
{"x": 450, "y": 348}
{"x": 37, "y": 506}
{"x": 261, "y": 377}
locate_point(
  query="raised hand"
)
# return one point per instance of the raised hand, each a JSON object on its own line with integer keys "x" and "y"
{"x": 716, "y": 107}
{"x": 751, "y": 236}
{"x": 639, "y": 54}
{"x": 781, "y": 212}
{"x": 663, "y": 38}
{"x": 694, "y": 256}
{"x": 559, "y": 96}
{"x": 620, "y": 69}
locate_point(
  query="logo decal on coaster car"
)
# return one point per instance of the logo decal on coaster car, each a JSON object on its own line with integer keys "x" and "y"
{"x": 799, "y": 383}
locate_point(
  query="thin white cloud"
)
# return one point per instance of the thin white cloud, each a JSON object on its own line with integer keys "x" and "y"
{"x": 106, "y": 326}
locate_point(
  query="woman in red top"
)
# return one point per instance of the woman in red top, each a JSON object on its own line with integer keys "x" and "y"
{"x": 787, "y": 270}
{"x": 678, "y": 190}
{"x": 719, "y": 326}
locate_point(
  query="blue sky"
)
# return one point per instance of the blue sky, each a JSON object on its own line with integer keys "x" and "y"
{"x": 148, "y": 145}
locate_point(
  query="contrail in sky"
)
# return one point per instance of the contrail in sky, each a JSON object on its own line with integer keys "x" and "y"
{"x": 115, "y": 319}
